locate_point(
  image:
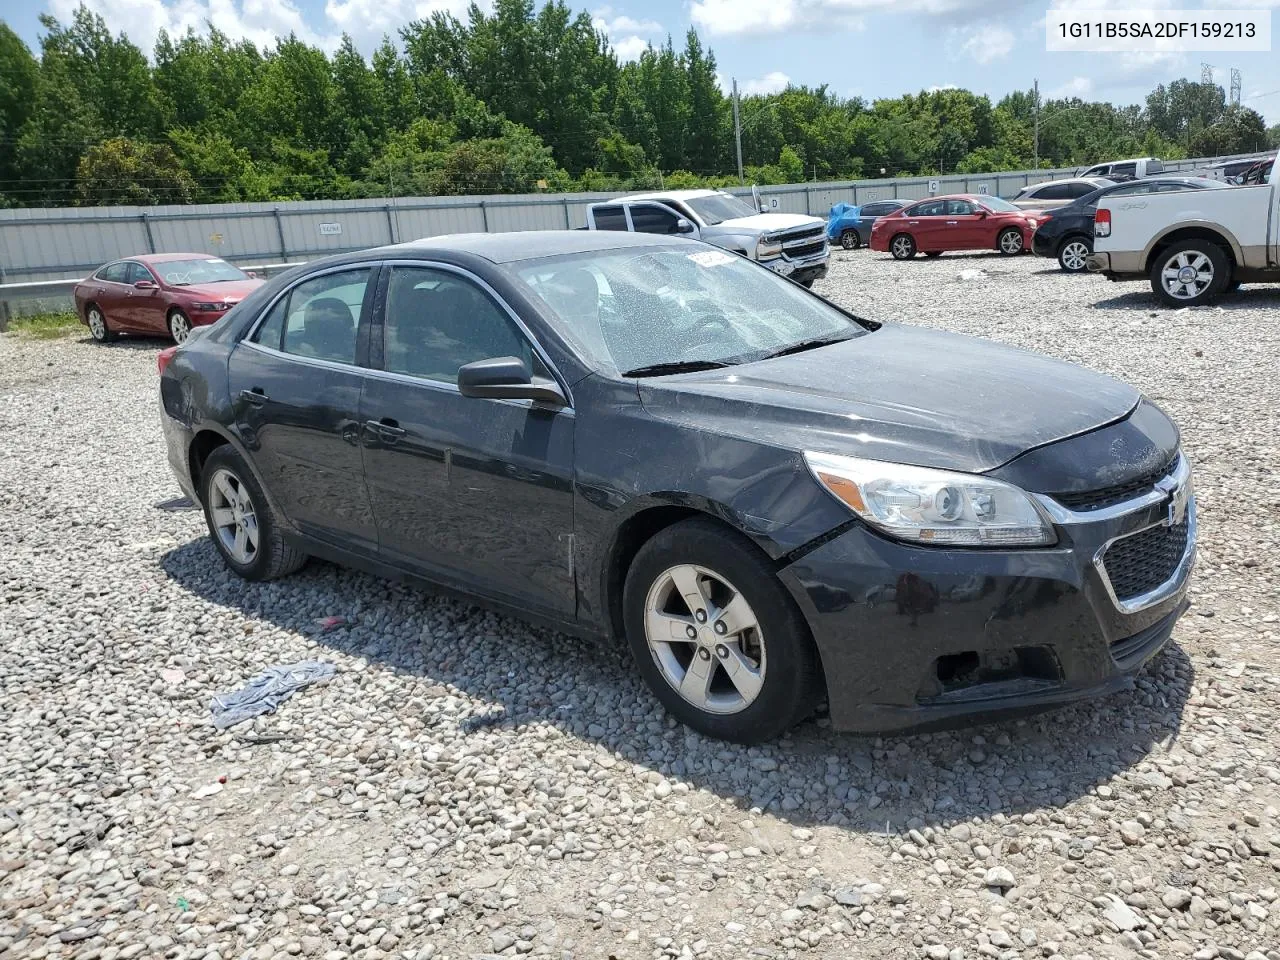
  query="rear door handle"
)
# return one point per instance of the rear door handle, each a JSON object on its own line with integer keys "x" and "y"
{"x": 952, "y": 223}
{"x": 256, "y": 396}
{"x": 386, "y": 429}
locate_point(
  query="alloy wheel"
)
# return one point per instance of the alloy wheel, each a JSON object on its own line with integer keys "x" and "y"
{"x": 97, "y": 324}
{"x": 234, "y": 517}
{"x": 1074, "y": 255}
{"x": 850, "y": 240}
{"x": 903, "y": 247}
{"x": 179, "y": 327}
{"x": 1187, "y": 274}
{"x": 1011, "y": 242}
{"x": 705, "y": 639}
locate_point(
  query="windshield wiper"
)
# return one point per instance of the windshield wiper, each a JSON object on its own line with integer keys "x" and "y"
{"x": 804, "y": 345}
{"x": 676, "y": 366}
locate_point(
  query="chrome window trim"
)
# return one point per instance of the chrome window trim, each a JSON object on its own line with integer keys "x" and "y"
{"x": 307, "y": 361}
{"x": 484, "y": 285}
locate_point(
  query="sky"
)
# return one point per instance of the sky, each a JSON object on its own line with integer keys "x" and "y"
{"x": 865, "y": 48}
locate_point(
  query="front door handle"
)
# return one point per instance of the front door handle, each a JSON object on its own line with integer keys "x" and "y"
{"x": 952, "y": 223}
{"x": 386, "y": 429}
{"x": 256, "y": 396}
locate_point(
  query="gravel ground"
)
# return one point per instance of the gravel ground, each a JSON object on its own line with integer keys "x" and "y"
{"x": 470, "y": 786}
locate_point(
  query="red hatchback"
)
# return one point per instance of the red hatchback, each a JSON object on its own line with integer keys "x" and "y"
{"x": 163, "y": 293}
{"x": 960, "y": 222}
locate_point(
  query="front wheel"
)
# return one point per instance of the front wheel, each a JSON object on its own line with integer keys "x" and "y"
{"x": 850, "y": 240}
{"x": 241, "y": 522}
{"x": 716, "y": 636}
{"x": 903, "y": 246}
{"x": 1073, "y": 255}
{"x": 1190, "y": 274}
{"x": 179, "y": 326}
{"x": 1010, "y": 242}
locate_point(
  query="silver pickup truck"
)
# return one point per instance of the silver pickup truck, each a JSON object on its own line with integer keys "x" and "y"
{"x": 787, "y": 243}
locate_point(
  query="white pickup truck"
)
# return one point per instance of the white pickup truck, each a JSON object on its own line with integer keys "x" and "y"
{"x": 787, "y": 243}
{"x": 1192, "y": 245}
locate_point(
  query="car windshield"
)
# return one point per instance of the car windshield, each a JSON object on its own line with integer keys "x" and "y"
{"x": 679, "y": 306}
{"x": 996, "y": 205}
{"x": 720, "y": 207}
{"x": 183, "y": 273}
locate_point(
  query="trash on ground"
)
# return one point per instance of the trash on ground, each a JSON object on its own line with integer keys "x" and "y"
{"x": 332, "y": 623}
{"x": 971, "y": 275}
{"x": 172, "y": 675}
{"x": 265, "y": 692}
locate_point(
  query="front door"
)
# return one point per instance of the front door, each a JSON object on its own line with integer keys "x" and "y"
{"x": 295, "y": 384}
{"x": 477, "y": 492}
{"x": 966, "y": 228}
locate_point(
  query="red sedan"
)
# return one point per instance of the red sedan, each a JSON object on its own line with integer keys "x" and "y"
{"x": 163, "y": 293}
{"x": 960, "y": 222}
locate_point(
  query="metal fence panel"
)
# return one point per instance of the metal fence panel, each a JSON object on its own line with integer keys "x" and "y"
{"x": 67, "y": 242}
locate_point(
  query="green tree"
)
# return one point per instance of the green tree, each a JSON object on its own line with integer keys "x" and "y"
{"x": 19, "y": 78}
{"x": 123, "y": 171}
{"x": 1238, "y": 130}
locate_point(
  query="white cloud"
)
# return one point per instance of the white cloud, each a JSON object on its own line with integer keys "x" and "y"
{"x": 1075, "y": 87}
{"x": 769, "y": 16}
{"x": 261, "y": 21}
{"x": 939, "y": 87}
{"x": 984, "y": 42}
{"x": 772, "y": 82}
{"x": 627, "y": 35}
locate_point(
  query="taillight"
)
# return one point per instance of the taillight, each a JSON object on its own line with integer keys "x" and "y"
{"x": 1102, "y": 223}
{"x": 1044, "y": 217}
{"x": 164, "y": 357}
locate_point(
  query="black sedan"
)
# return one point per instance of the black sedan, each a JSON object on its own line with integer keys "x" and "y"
{"x": 1066, "y": 234}
{"x": 773, "y": 502}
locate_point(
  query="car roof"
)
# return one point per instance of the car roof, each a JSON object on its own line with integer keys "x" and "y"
{"x": 169, "y": 257}
{"x": 673, "y": 195}
{"x": 525, "y": 244}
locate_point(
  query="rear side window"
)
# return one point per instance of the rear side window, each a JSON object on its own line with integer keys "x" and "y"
{"x": 610, "y": 218}
{"x": 1054, "y": 191}
{"x": 114, "y": 273}
{"x": 271, "y": 329}
{"x": 1099, "y": 171}
{"x": 1154, "y": 166}
{"x": 877, "y": 209}
{"x": 1124, "y": 170}
{"x": 930, "y": 208}
{"x": 1077, "y": 190}
{"x": 322, "y": 314}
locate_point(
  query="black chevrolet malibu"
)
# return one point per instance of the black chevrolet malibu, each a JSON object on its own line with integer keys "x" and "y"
{"x": 773, "y": 502}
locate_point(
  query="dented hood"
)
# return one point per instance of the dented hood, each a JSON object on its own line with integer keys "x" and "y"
{"x": 903, "y": 394}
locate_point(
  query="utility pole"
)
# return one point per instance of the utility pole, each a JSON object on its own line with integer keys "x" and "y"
{"x": 737, "y": 130}
{"x": 1035, "y": 109}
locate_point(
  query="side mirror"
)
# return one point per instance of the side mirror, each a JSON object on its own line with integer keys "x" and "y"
{"x": 251, "y": 274}
{"x": 507, "y": 378}
{"x": 982, "y": 214}
{"x": 684, "y": 226}
{"x": 144, "y": 285}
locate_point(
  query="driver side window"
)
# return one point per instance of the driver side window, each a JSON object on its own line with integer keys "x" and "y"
{"x": 437, "y": 321}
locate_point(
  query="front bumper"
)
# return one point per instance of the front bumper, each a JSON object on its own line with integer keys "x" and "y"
{"x": 801, "y": 271}
{"x": 918, "y": 638}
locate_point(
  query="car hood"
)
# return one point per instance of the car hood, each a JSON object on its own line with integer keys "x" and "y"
{"x": 903, "y": 394}
{"x": 766, "y": 223}
{"x": 233, "y": 290}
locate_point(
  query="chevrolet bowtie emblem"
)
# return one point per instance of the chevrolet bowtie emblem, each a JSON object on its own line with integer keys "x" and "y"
{"x": 1176, "y": 506}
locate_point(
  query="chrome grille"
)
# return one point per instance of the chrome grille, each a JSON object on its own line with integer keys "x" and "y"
{"x": 1117, "y": 493}
{"x": 1139, "y": 563}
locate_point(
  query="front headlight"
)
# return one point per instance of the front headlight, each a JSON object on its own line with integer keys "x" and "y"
{"x": 210, "y": 307}
{"x": 934, "y": 507}
{"x": 768, "y": 247}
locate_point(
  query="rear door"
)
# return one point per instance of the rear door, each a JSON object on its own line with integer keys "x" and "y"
{"x": 474, "y": 492}
{"x": 112, "y": 295}
{"x": 295, "y": 384}
{"x": 927, "y": 221}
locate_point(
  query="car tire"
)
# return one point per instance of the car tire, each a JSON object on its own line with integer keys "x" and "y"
{"x": 748, "y": 685}
{"x": 933, "y": 253}
{"x": 1073, "y": 254}
{"x": 1211, "y": 273}
{"x": 1010, "y": 242}
{"x": 179, "y": 325}
{"x": 236, "y": 510}
{"x": 903, "y": 246}
{"x": 97, "y": 321}
{"x": 850, "y": 240}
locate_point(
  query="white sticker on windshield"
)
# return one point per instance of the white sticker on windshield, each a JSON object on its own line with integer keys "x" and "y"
{"x": 215, "y": 261}
{"x": 710, "y": 258}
